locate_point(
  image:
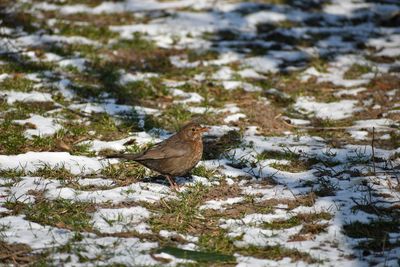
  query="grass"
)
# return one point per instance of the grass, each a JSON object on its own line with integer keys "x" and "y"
{"x": 377, "y": 231}
{"x": 101, "y": 126}
{"x": 277, "y": 253}
{"x": 182, "y": 215}
{"x": 222, "y": 244}
{"x": 61, "y": 213}
{"x": 21, "y": 64}
{"x": 103, "y": 19}
{"x": 293, "y": 166}
{"x": 302, "y": 218}
{"x": 286, "y": 154}
{"x": 17, "y": 83}
{"x": 57, "y": 172}
{"x": 124, "y": 173}
{"x": 174, "y": 117}
{"x": 95, "y": 32}
{"x": 356, "y": 70}
{"x": 12, "y": 139}
{"x": 216, "y": 148}
{"x": 16, "y": 253}
{"x": 181, "y": 212}
{"x": 203, "y": 172}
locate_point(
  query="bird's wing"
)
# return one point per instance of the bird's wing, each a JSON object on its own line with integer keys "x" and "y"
{"x": 164, "y": 150}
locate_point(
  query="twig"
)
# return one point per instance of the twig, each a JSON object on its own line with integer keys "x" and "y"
{"x": 336, "y": 128}
{"x": 373, "y": 149}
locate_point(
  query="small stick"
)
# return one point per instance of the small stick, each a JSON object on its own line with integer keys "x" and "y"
{"x": 373, "y": 149}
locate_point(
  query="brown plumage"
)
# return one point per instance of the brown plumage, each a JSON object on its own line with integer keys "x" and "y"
{"x": 174, "y": 156}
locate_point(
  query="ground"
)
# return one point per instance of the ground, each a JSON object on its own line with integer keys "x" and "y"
{"x": 301, "y": 166}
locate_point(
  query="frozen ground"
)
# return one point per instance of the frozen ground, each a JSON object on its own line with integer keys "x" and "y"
{"x": 301, "y": 166}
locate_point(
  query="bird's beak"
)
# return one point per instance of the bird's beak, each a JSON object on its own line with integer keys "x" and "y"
{"x": 204, "y": 129}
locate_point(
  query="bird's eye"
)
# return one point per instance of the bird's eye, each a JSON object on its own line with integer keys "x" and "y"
{"x": 193, "y": 129}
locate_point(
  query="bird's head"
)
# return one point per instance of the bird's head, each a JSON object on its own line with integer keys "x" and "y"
{"x": 193, "y": 131}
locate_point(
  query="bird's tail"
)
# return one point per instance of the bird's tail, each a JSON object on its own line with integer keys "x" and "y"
{"x": 122, "y": 156}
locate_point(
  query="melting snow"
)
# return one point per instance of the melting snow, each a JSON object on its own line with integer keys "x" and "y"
{"x": 13, "y": 96}
{"x": 42, "y": 126}
{"x": 334, "y": 110}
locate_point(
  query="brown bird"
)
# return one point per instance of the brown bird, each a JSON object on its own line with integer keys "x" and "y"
{"x": 175, "y": 156}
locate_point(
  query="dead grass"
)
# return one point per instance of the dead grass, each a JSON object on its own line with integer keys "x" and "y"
{"x": 124, "y": 173}
{"x": 16, "y": 254}
{"x": 101, "y": 20}
{"x": 250, "y": 206}
{"x": 377, "y": 231}
{"x": 215, "y": 148}
{"x": 264, "y": 116}
{"x": 141, "y": 55}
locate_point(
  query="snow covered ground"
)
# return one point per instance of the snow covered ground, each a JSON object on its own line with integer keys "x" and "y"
{"x": 301, "y": 166}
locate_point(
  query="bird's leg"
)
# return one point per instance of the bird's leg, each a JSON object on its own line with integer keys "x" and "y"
{"x": 172, "y": 183}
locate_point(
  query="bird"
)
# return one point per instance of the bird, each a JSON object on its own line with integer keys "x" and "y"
{"x": 175, "y": 156}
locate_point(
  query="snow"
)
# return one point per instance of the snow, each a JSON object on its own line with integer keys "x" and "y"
{"x": 218, "y": 204}
{"x": 187, "y": 97}
{"x": 32, "y": 161}
{"x": 250, "y": 73}
{"x": 126, "y": 78}
{"x": 78, "y": 63}
{"x": 263, "y": 64}
{"x": 4, "y": 76}
{"x": 19, "y": 230}
{"x": 234, "y": 117}
{"x": 231, "y": 85}
{"x": 224, "y": 73}
{"x": 390, "y": 52}
{"x": 43, "y": 39}
{"x": 334, "y": 110}
{"x": 139, "y": 138}
{"x": 378, "y": 124}
{"x": 95, "y": 182}
{"x": 98, "y": 145}
{"x": 34, "y": 96}
{"x": 43, "y": 126}
{"x": 63, "y": 87}
{"x": 121, "y": 220}
{"x": 180, "y": 62}
{"x": 349, "y": 92}
{"x": 264, "y": 17}
{"x": 111, "y": 108}
{"x": 251, "y": 63}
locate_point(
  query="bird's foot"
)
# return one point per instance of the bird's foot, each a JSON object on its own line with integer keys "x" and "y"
{"x": 173, "y": 184}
